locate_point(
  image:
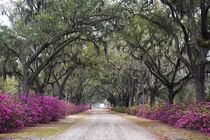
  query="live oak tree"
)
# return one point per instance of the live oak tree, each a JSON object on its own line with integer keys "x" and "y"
{"x": 190, "y": 28}
{"x": 52, "y": 26}
{"x": 191, "y": 17}
{"x": 151, "y": 45}
{"x": 128, "y": 52}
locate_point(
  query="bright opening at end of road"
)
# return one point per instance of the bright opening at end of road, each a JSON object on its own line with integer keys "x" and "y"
{"x": 101, "y": 105}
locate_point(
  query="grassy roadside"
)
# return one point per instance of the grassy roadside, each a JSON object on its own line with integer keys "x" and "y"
{"x": 46, "y": 130}
{"x": 164, "y": 131}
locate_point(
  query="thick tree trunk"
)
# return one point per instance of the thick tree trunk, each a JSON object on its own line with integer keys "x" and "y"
{"x": 62, "y": 86}
{"x": 70, "y": 90}
{"x": 133, "y": 87}
{"x": 112, "y": 100}
{"x": 145, "y": 98}
{"x": 130, "y": 90}
{"x": 171, "y": 96}
{"x": 131, "y": 100}
{"x": 152, "y": 99}
{"x": 53, "y": 89}
{"x": 61, "y": 91}
{"x": 26, "y": 84}
{"x": 118, "y": 102}
{"x": 171, "y": 99}
{"x": 199, "y": 80}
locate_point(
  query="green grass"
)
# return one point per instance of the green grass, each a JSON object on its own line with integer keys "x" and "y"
{"x": 46, "y": 130}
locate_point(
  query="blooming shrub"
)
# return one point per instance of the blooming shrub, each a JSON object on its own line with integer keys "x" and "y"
{"x": 78, "y": 108}
{"x": 194, "y": 116}
{"x": 109, "y": 107}
{"x": 43, "y": 109}
{"x": 17, "y": 113}
{"x": 12, "y": 113}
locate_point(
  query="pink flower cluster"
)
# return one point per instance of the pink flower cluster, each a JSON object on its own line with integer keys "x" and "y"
{"x": 78, "y": 108}
{"x": 43, "y": 109}
{"x": 195, "y": 116}
{"x": 109, "y": 107}
{"x": 17, "y": 113}
{"x": 12, "y": 113}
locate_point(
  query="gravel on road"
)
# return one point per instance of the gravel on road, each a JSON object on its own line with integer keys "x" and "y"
{"x": 101, "y": 124}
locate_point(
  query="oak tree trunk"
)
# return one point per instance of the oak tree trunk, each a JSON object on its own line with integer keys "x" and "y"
{"x": 152, "y": 99}
{"x": 171, "y": 96}
{"x": 26, "y": 84}
{"x": 199, "y": 80}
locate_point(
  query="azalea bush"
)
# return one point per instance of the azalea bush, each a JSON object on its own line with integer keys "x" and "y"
{"x": 192, "y": 115}
{"x": 43, "y": 109}
{"x": 78, "y": 108}
{"x": 12, "y": 113}
{"x": 17, "y": 113}
{"x": 109, "y": 107}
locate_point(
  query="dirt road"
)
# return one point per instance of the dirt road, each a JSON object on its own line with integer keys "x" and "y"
{"x": 103, "y": 125}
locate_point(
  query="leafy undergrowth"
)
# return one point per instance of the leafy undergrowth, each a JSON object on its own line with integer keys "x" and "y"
{"x": 119, "y": 109}
{"x": 164, "y": 131}
{"x": 46, "y": 130}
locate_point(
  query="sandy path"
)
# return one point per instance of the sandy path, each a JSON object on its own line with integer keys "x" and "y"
{"x": 102, "y": 125}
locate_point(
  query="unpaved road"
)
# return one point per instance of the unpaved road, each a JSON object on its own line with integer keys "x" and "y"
{"x": 103, "y": 125}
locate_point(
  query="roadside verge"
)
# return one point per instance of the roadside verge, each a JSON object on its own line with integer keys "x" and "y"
{"x": 164, "y": 131}
{"x": 45, "y": 130}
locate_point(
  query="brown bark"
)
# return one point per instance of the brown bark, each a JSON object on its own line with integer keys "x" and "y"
{"x": 26, "y": 84}
{"x": 171, "y": 96}
{"x": 133, "y": 88}
{"x": 61, "y": 89}
{"x": 199, "y": 81}
{"x": 152, "y": 100}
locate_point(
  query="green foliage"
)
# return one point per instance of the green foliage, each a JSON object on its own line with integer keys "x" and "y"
{"x": 132, "y": 110}
{"x": 119, "y": 109}
{"x": 208, "y": 98}
{"x": 91, "y": 50}
{"x": 10, "y": 86}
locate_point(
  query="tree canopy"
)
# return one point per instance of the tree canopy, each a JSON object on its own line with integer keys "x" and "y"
{"x": 127, "y": 52}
